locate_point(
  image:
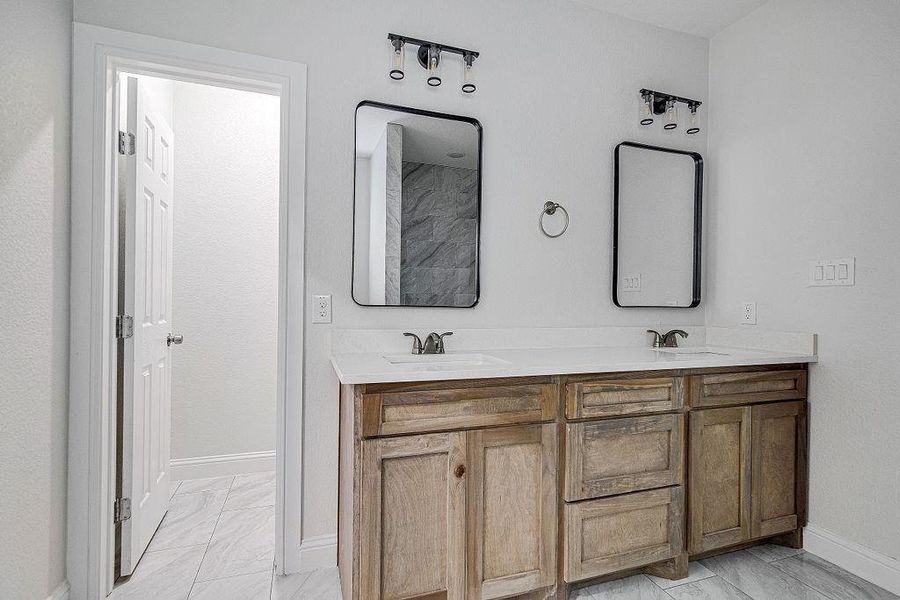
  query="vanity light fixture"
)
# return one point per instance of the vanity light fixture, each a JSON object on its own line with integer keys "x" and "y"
{"x": 468, "y": 85}
{"x": 693, "y": 120}
{"x": 434, "y": 64}
{"x": 671, "y": 120}
{"x": 661, "y": 103}
{"x": 646, "y": 107}
{"x": 397, "y": 59}
{"x": 430, "y": 55}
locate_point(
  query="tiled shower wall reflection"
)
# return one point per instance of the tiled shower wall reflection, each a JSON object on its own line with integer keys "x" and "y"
{"x": 439, "y": 228}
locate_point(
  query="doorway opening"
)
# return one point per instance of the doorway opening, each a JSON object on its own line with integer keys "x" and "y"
{"x": 95, "y": 486}
{"x": 198, "y": 189}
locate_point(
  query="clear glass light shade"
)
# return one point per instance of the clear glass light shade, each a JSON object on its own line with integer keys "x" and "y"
{"x": 693, "y": 121}
{"x": 397, "y": 60}
{"x": 434, "y": 65}
{"x": 468, "y": 84}
{"x": 671, "y": 120}
{"x": 646, "y": 110}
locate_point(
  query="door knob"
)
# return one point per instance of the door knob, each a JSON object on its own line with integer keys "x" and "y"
{"x": 173, "y": 338}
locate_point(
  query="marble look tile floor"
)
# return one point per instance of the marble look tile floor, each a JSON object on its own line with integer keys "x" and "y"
{"x": 764, "y": 572}
{"x": 216, "y": 544}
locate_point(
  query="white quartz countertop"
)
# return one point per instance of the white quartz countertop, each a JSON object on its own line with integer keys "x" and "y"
{"x": 387, "y": 367}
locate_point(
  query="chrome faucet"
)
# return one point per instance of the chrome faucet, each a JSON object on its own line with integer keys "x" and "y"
{"x": 434, "y": 343}
{"x": 668, "y": 339}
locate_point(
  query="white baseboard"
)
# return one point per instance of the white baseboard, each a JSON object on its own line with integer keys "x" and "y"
{"x": 221, "y": 465}
{"x": 318, "y": 552}
{"x": 61, "y": 592}
{"x": 881, "y": 570}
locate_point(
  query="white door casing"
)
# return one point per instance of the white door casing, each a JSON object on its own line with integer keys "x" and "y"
{"x": 147, "y": 386}
{"x": 99, "y": 55}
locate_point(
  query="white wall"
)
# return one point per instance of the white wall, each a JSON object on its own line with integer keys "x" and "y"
{"x": 225, "y": 265}
{"x": 35, "y": 41}
{"x": 805, "y": 140}
{"x": 558, "y": 89}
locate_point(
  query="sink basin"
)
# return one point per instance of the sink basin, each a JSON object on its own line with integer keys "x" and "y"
{"x": 692, "y": 351}
{"x": 444, "y": 362}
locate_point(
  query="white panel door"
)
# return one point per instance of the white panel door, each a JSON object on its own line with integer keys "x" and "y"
{"x": 148, "y": 193}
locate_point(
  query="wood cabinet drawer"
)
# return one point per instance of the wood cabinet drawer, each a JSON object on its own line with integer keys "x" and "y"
{"x": 623, "y": 396}
{"x": 623, "y": 532}
{"x": 423, "y": 410}
{"x": 617, "y": 456}
{"x": 723, "y": 389}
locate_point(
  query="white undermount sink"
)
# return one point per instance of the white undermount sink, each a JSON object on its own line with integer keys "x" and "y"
{"x": 692, "y": 351}
{"x": 444, "y": 362}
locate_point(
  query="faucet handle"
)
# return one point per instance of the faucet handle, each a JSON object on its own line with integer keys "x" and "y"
{"x": 416, "y": 343}
{"x": 434, "y": 344}
{"x": 440, "y": 341}
{"x": 670, "y": 341}
{"x": 657, "y": 338}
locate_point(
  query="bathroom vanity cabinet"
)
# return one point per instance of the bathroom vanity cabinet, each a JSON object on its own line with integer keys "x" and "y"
{"x": 529, "y": 487}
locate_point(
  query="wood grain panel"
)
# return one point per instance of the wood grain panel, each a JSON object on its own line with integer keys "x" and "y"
{"x": 719, "y": 478}
{"x": 413, "y": 517}
{"x": 415, "y": 411}
{"x": 623, "y": 532}
{"x": 776, "y": 437}
{"x": 617, "y": 456}
{"x": 725, "y": 389}
{"x": 608, "y": 397}
{"x": 511, "y": 510}
{"x": 349, "y": 471}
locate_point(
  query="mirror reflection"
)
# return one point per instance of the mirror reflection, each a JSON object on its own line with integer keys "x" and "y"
{"x": 416, "y": 208}
{"x": 658, "y": 227}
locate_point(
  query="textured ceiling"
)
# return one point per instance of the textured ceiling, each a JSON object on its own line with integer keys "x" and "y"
{"x": 705, "y": 18}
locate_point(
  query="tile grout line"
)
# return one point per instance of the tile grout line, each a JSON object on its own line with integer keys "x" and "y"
{"x": 785, "y": 573}
{"x": 788, "y": 575}
{"x": 206, "y": 549}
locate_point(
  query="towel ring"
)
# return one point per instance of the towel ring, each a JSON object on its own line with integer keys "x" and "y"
{"x": 550, "y": 209}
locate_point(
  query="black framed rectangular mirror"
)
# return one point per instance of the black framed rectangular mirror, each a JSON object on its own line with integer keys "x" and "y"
{"x": 658, "y": 227}
{"x": 416, "y": 208}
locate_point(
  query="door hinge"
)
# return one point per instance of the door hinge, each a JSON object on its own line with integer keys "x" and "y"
{"x": 126, "y": 143}
{"x": 124, "y": 327}
{"x": 121, "y": 510}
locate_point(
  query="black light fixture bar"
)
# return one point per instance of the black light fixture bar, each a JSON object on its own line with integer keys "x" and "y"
{"x": 425, "y": 43}
{"x": 660, "y": 99}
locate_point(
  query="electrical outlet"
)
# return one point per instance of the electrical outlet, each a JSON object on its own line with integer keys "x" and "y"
{"x": 322, "y": 309}
{"x": 748, "y": 313}
{"x": 631, "y": 283}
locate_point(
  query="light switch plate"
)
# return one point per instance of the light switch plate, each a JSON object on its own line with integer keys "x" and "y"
{"x": 321, "y": 308}
{"x": 832, "y": 272}
{"x": 748, "y": 313}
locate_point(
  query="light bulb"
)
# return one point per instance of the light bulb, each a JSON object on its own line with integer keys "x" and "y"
{"x": 694, "y": 120}
{"x": 397, "y": 60}
{"x": 468, "y": 85}
{"x": 671, "y": 115}
{"x": 434, "y": 63}
{"x": 646, "y": 109}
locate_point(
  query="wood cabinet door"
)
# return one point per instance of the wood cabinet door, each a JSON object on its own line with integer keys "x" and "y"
{"x": 719, "y": 478}
{"x": 512, "y": 520}
{"x": 412, "y": 518}
{"x": 779, "y": 440}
